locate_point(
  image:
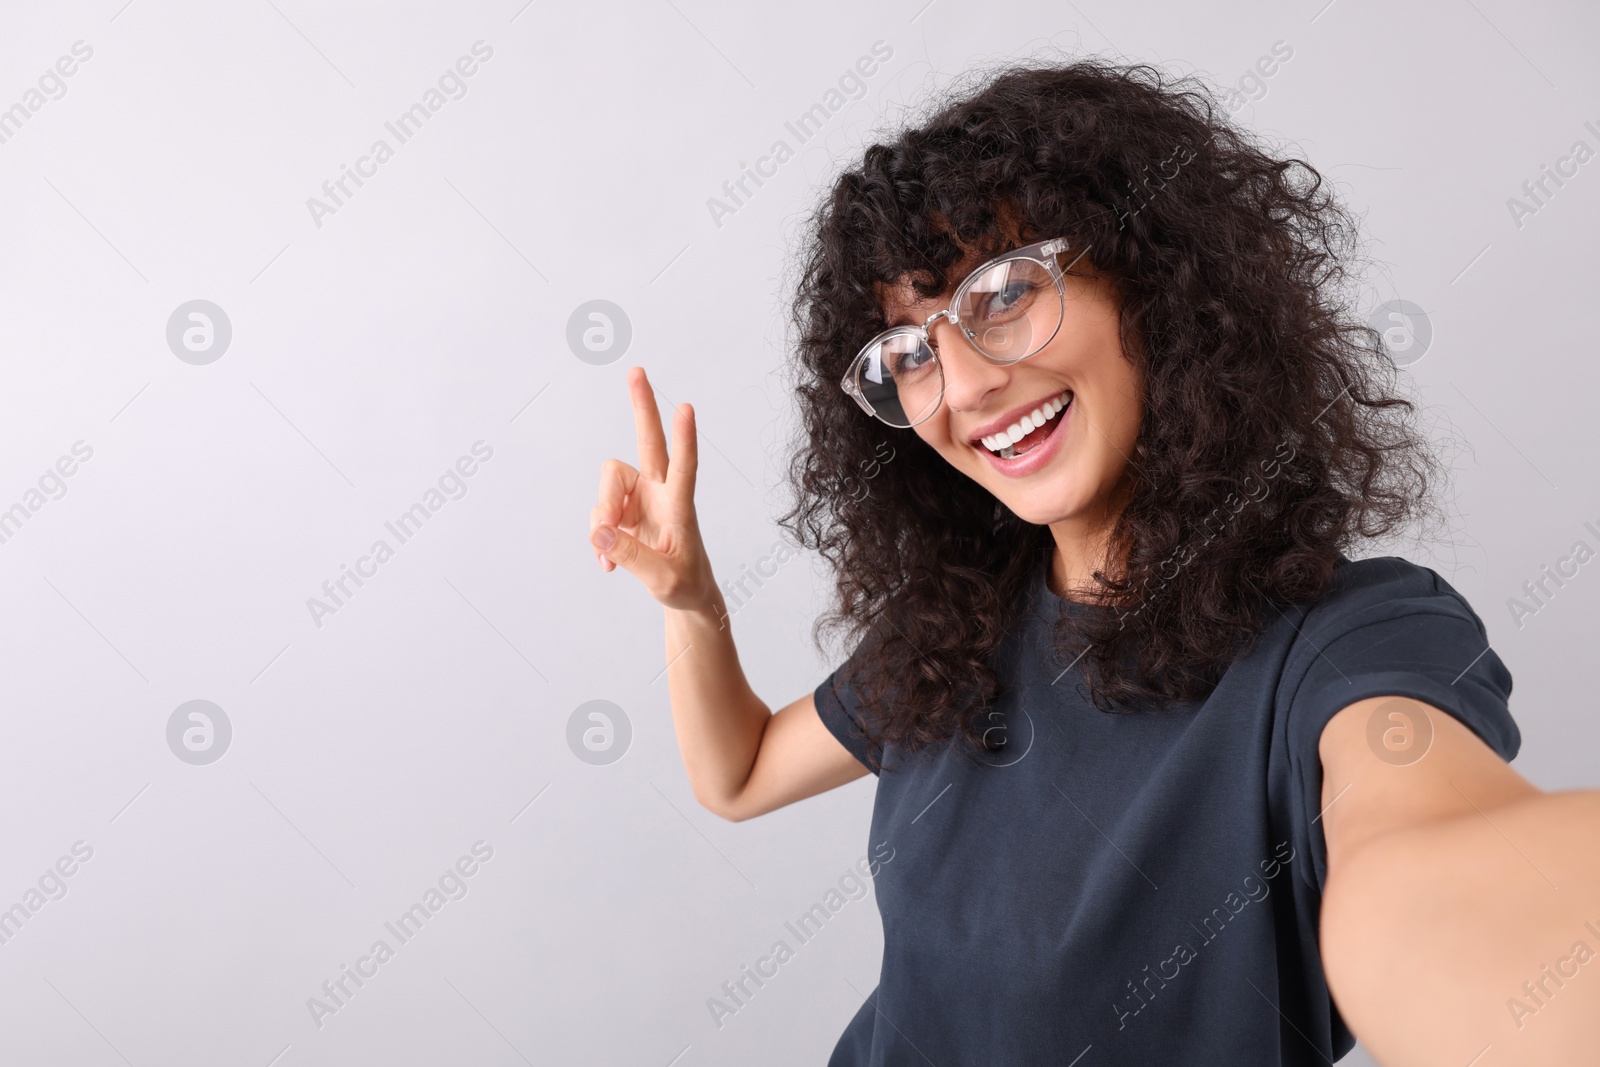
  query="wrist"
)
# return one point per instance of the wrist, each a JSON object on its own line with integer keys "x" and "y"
{"x": 706, "y": 609}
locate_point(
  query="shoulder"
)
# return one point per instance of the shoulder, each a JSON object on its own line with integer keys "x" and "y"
{"x": 1402, "y": 654}
{"x": 1384, "y": 579}
{"x": 1384, "y": 590}
{"x": 1390, "y": 627}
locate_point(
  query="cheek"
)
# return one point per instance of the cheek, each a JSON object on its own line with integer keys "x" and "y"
{"x": 1129, "y": 412}
{"x": 1116, "y": 439}
{"x": 1120, "y": 400}
{"x": 935, "y": 433}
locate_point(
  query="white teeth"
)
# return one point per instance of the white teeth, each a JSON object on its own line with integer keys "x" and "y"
{"x": 1003, "y": 441}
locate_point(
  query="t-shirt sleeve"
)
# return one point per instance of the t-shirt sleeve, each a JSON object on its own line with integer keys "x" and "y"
{"x": 1391, "y": 629}
{"x": 839, "y": 706}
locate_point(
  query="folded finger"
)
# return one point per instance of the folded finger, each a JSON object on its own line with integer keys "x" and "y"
{"x": 617, "y": 481}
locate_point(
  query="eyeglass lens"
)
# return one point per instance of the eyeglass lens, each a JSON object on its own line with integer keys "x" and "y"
{"x": 1007, "y": 311}
{"x": 901, "y": 379}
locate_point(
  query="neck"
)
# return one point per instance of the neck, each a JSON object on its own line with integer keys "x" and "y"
{"x": 1083, "y": 546}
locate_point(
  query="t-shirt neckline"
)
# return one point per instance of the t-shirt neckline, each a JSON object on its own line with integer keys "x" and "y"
{"x": 1047, "y": 602}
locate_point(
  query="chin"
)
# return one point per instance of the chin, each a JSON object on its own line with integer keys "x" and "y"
{"x": 1044, "y": 508}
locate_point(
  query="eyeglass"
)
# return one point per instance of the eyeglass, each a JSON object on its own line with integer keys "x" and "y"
{"x": 1008, "y": 309}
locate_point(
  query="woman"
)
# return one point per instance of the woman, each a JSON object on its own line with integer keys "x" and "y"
{"x": 1164, "y": 777}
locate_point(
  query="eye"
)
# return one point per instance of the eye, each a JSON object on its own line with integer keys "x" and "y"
{"x": 1013, "y": 297}
{"x": 1004, "y": 292}
{"x": 910, "y": 362}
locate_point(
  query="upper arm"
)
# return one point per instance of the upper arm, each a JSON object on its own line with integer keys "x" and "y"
{"x": 1394, "y": 763}
{"x": 1401, "y": 779}
{"x": 798, "y": 757}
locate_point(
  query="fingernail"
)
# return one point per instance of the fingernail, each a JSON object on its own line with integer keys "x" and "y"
{"x": 603, "y": 537}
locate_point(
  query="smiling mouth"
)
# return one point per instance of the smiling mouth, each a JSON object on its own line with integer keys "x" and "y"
{"x": 1030, "y": 431}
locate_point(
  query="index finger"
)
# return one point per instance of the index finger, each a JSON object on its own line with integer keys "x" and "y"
{"x": 647, "y": 426}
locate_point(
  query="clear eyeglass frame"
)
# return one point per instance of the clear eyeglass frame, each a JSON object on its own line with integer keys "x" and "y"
{"x": 1044, "y": 253}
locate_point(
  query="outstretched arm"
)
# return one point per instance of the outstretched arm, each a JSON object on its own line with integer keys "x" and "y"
{"x": 1461, "y": 915}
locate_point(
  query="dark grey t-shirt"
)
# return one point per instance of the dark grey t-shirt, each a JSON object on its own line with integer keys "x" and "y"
{"x": 1142, "y": 888}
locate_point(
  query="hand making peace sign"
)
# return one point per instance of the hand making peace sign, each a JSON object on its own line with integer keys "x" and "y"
{"x": 645, "y": 520}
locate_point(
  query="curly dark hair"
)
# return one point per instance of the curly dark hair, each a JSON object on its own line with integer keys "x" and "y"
{"x": 1236, "y": 283}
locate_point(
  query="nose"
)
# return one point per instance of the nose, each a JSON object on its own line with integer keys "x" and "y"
{"x": 968, "y": 377}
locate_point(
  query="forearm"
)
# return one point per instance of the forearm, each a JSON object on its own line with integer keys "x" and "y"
{"x": 1465, "y": 933}
{"x": 718, "y": 718}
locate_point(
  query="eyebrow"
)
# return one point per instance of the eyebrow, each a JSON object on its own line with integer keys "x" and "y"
{"x": 907, "y": 315}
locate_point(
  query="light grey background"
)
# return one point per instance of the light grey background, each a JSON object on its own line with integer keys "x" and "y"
{"x": 427, "y": 314}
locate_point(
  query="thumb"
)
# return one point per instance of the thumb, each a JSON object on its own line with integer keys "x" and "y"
{"x": 627, "y": 552}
